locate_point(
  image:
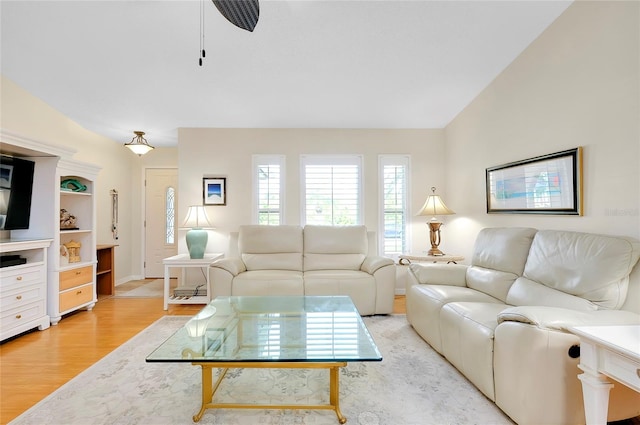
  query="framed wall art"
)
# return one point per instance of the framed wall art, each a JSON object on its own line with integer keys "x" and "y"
{"x": 548, "y": 184}
{"x": 214, "y": 191}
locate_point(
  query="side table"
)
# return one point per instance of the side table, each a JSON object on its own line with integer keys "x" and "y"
{"x": 105, "y": 269}
{"x": 183, "y": 261}
{"x": 606, "y": 351}
{"x": 406, "y": 259}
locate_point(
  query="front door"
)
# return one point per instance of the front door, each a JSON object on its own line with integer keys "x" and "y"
{"x": 161, "y": 232}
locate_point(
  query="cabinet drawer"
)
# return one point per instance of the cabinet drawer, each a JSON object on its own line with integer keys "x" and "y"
{"x": 622, "y": 369}
{"x": 75, "y": 297}
{"x": 75, "y": 277}
{"x": 20, "y": 276}
{"x": 18, "y": 316}
{"x": 22, "y": 296}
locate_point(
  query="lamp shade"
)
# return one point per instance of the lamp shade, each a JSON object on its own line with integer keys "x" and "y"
{"x": 138, "y": 144}
{"x": 197, "y": 218}
{"x": 434, "y": 206}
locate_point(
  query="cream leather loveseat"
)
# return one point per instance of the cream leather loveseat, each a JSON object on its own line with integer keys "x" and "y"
{"x": 314, "y": 260}
{"x": 503, "y": 320}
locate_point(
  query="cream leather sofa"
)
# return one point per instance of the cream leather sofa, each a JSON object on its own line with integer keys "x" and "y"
{"x": 502, "y": 321}
{"x": 314, "y": 260}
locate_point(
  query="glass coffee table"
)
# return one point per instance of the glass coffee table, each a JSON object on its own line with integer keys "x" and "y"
{"x": 271, "y": 332}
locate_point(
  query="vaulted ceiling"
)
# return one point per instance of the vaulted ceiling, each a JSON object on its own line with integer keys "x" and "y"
{"x": 119, "y": 66}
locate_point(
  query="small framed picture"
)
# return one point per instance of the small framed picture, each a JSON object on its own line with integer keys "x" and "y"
{"x": 214, "y": 191}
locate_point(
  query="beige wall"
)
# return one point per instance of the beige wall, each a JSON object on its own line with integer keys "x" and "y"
{"x": 29, "y": 117}
{"x": 576, "y": 85}
{"x": 228, "y": 153}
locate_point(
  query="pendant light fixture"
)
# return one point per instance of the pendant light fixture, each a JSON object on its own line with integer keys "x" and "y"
{"x": 138, "y": 144}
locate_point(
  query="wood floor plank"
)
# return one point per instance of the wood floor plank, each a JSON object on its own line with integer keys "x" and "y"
{"x": 35, "y": 364}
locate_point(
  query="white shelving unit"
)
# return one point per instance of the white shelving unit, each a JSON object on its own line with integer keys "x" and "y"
{"x": 70, "y": 286}
{"x": 72, "y": 280}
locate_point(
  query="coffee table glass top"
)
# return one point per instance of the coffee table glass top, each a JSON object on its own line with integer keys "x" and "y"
{"x": 272, "y": 329}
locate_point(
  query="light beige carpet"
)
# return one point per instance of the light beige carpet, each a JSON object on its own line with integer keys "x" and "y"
{"x": 153, "y": 289}
{"x": 413, "y": 385}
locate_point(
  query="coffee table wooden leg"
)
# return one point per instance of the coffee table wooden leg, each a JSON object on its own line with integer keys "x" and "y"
{"x": 334, "y": 393}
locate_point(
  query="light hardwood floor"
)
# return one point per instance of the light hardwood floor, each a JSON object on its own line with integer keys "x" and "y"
{"x": 35, "y": 364}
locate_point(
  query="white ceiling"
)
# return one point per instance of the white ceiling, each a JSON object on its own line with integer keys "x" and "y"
{"x": 119, "y": 66}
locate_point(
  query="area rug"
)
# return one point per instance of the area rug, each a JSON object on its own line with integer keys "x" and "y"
{"x": 413, "y": 385}
{"x": 153, "y": 289}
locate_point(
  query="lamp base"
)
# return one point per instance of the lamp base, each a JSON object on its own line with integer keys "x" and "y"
{"x": 435, "y": 252}
{"x": 197, "y": 242}
{"x": 434, "y": 237}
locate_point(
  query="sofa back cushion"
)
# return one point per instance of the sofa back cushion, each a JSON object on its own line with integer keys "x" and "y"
{"x": 593, "y": 267}
{"x": 526, "y": 292}
{"x": 503, "y": 248}
{"x": 492, "y": 282}
{"x": 334, "y": 247}
{"x": 499, "y": 256}
{"x": 271, "y": 247}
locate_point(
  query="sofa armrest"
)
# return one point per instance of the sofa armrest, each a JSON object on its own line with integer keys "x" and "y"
{"x": 374, "y": 262}
{"x": 440, "y": 274}
{"x": 231, "y": 265}
{"x": 561, "y": 319}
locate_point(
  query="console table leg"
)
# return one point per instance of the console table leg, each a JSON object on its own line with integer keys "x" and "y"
{"x": 595, "y": 393}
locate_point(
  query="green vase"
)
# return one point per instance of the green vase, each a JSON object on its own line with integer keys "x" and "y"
{"x": 197, "y": 242}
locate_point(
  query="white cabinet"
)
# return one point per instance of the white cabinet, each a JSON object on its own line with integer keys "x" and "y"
{"x": 72, "y": 283}
{"x": 23, "y": 288}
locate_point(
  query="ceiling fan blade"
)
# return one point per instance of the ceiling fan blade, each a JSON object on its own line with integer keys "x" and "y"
{"x": 241, "y": 13}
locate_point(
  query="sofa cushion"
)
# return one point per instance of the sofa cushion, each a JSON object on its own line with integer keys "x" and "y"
{"x": 334, "y": 247}
{"x": 503, "y": 248}
{"x": 527, "y": 292}
{"x": 492, "y": 282}
{"x": 593, "y": 267}
{"x": 424, "y": 303}
{"x": 271, "y": 247}
{"x": 268, "y": 282}
{"x": 467, "y": 340}
{"x": 360, "y": 286}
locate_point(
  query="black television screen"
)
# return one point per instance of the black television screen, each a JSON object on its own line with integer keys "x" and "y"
{"x": 16, "y": 186}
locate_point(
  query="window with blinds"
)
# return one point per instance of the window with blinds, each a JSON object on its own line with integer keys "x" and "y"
{"x": 332, "y": 189}
{"x": 268, "y": 189}
{"x": 394, "y": 192}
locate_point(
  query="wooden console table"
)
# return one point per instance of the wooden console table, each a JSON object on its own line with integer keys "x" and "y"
{"x": 105, "y": 271}
{"x": 606, "y": 351}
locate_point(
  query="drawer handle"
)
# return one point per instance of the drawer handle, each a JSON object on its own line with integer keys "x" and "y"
{"x": 78, "y": 272}
{"x": 79, "y": 292}
{"x": 19, "y": 297}
{"x": 19, "y": 278}
{"x": 19, "y": 316}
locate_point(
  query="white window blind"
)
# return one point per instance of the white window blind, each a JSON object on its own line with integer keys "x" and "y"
{"x": 332, "y": 189}
{"x": 394, "y": 192}
{"x": 268, "y": 178}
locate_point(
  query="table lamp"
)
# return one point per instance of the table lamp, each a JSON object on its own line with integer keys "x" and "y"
{"x": 434, "y": 206}
{"x": 197, "y": 236}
